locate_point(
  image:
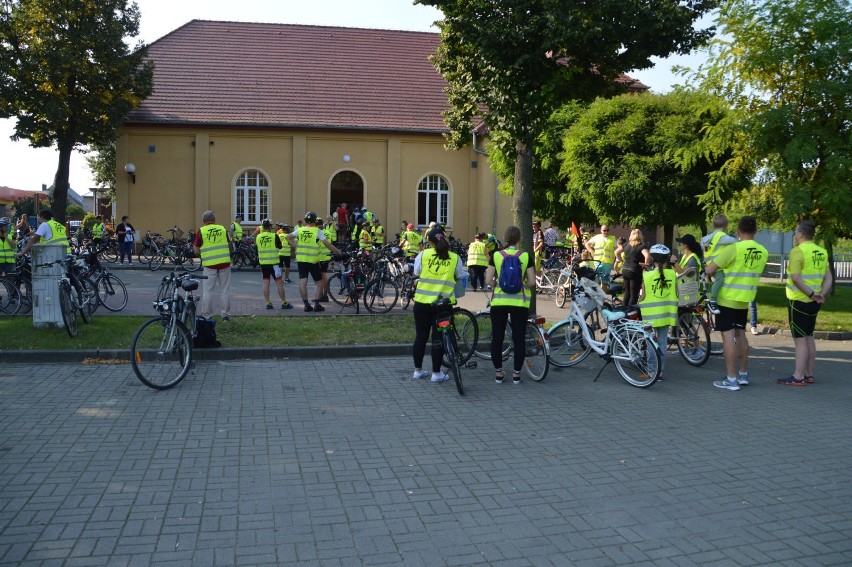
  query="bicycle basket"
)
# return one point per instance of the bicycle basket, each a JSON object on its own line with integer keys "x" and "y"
{"x": 586, "y": 304}
{"x": 594, "y": 291}
{"x": 688, "y": 293}
{"x": 178, "y": 234}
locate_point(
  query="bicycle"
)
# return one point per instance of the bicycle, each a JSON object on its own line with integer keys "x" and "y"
{"x": 381, "y": 292}
{"x": 177, "y": 251}
{"x": 161, "y": 350}
{"x": 695, "y": 321}
{"x": 346, "y": 285}
{"x": 536, "y": 360}
{"x": 629, "y": 343}
{"x": 444, "y": 324}
{"x": 244, "y": 254}
{"x": 76, "y": 295}
{"x": 151, "y": 245}
{"x": 111, "y": 291}
{"x": 10, "y": 296}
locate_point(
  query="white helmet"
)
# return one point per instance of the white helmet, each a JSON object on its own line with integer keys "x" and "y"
{"x": 660, "y": 252}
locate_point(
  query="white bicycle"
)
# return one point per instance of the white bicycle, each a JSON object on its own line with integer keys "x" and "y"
{"x": 629, "y": 343}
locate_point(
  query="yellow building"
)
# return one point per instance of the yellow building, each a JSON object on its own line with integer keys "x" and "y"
{"x": 274, "y": 120}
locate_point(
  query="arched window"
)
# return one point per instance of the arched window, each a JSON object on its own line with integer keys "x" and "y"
{"x": 251, "y": 196}
{"x": 433, "y": 200}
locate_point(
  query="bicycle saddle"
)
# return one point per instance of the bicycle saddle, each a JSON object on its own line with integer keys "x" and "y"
{"x": 189, "y": 285}
{"x": 613, "y": 315}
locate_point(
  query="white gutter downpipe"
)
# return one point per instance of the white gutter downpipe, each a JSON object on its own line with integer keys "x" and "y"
{"x": 496, "y": 187}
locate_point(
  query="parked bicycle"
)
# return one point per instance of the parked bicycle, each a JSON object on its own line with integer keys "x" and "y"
{"x": 629, "y": 343}
{"x": 456, "y": 353}
{"x": 177, "y": 251}
{"x": 161, "y": 351}
{"x": 111, "y": 291}
{"x": 76, "y": 295}
{"x": 151, "y": 246}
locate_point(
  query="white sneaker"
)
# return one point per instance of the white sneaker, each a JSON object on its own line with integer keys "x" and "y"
{"x": 419, "y": 374}
{"x": 727, "y": 384}
{"x": 439, "y": 377}
{"x": 742, "y": 378}
{"x": 754, "y": 331}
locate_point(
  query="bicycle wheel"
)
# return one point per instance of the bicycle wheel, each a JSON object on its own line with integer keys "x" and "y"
{"x": 10, "y": 297}
{"x": 156, "y": 261}
{"x": 406, "y": 291}
{"x": 112, "y": 293}
{"x": 190, "y": 262}
{"x": 536, "y": 363}
{"x": 69, "y": 311}
{"x": 110, "y": 252}
{"x": 483, "y": 343}
{"x": 238, "y": 261}
{"x": 146, "y": 253}
{"x": 380, "y": 295}
{"x": 693, "y": 338}
{"x": 637, "y": 357}
{"x": 466, "y": 334}
{"x": 341, "y": 293}
{"x": 189, "y": 318}
{"x": 567, "y": 344}
{"x": 87, "y": 299}
{"x": 560, "y": 296}
{"x": 454, "y": 366}
{"x": 161, "y": 353}
{"x": 26, "y": 291}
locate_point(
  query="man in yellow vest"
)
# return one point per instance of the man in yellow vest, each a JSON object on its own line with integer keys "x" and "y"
{"x": 48, "y": 232}
{"x": 236, "y": 229}
{"x": 743, "y": 263}
{"x": 325, "y": 256}
{"x": 378, "y": 232}
{"x": 306, "y": 241}
{"x": 286, "y": 253}
{"x": 268, "y": 244}
{"x": 98, "y": 231}
{"x": 713, "y": 243}
{"x": 7, "y": 248}
{"x": 411, "y": 242}
{"x": 477, "y": 261}
{"x": 213, "y": 246}
{"x": 808, "y": 280}
{"x": 602, "y": 247}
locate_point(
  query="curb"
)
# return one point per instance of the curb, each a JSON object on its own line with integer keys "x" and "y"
{"x": 248, "y": 353}
{"x": 820, "y": 335}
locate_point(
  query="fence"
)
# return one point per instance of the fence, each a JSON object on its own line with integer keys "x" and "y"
{"x": 777, "y": 264}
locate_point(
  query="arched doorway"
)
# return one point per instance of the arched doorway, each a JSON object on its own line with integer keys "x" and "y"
{"x": 346, "y": 187}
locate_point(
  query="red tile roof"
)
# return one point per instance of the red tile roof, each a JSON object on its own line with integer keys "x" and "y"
{"x": 281, "y": 75}
{"x": 292, "y": 76}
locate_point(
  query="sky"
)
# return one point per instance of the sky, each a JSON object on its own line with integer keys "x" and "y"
{"x": 24, "y": 167}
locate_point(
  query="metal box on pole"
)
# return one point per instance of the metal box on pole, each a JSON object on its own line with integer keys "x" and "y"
{"x": 46, "y": 306}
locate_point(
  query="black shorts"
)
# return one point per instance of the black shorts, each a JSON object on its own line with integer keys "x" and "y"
{"x": 802, "y": 316}
{"x": 268, "y": 271}
{"x": 284, "y": 261}
{"x": 729, "y": 318}
{"x": 324, "y": 265}
{"x": 313, "y": 270}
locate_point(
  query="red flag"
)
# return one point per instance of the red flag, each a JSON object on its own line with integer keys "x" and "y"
{"x": 574, "y": 230}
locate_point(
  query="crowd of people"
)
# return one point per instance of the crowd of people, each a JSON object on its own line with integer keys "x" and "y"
{"x": 650, "y": 274}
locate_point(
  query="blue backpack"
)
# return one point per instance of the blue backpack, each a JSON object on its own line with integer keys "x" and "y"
{"x": 511, "y": 273}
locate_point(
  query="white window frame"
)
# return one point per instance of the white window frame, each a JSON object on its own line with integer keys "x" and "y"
{"x": 435, "y": 184}
{"x": 251, "y": 186}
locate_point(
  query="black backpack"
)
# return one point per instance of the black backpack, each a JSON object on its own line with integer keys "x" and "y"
{"x": 205, "y": 333}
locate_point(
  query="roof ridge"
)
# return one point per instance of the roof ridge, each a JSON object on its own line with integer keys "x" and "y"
{"x": 315, "y": 26}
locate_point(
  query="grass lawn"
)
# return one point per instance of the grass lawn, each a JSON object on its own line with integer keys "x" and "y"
{"x": 116, "y": 332}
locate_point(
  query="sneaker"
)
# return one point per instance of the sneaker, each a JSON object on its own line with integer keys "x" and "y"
{"x": 516, "y": 379}
{"x": 440, "y": 377}
{"x": 727, "y": 384}
{"x": 713, "y": 308}
{"x": 324, "y": 299}
{"x": 319, "y": 307}
{"x": 286, "y": 305}
{"x": 754, "y": 331}
{"x": 742, "y": 378}
{"x": 420, "y": 374}
{"x": 308, "y": 308}
{"x": 790, "y": 381}
{"x": 288, "y": 280}
{"x": 499, "y": 379}
{"x": 809, "y": 379}
{"x": 269, "y": 305}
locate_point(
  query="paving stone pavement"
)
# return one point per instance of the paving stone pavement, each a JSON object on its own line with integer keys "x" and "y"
{"x": 351, "y": 462}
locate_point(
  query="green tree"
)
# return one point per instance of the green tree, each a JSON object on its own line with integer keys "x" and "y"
{"x": 640, "y": 160}
{"x": 511, "y": 63}
{"x": 101, "y": 163}
{"x": 67, "y": 75}
{"x": 785, "y": 67}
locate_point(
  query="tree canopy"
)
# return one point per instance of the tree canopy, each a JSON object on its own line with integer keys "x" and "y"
{"x": 68, "y": 76}
{"x": 786, "y": 69}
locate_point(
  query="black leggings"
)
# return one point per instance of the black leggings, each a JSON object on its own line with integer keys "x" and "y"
{"x": 499, "y": 317}
{"x": 424, "y": 321}
{"x": 632, "y": 286}
{"x": 477, "y": 277}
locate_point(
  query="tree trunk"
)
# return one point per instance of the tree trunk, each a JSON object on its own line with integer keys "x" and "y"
{"x": 829, "y": 247}
{"x": 522, "y": 201}
{"x": 668, "y": 235}
{"x": 60, "y": 182}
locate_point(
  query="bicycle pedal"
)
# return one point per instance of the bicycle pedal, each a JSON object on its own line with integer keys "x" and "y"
{"x": 470, "y": 364}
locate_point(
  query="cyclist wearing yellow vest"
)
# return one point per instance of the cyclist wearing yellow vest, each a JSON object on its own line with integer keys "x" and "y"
{"x": 602, "y": 247}
{"x": 236, "y": 229}
{"x": 213, "y": 246}
{"x": 438, "y": 269}
{"x": 713, "y": 243}
{"x": 268, "y": 244}
{"x": 378, "y": 232}
{"x": 808, "y": 280}
{"x": 306, "y": 242}
{"x": 477, "y": 261}
{"x": 7, "y": 247}
{"x": 286, "y": 253}
{"x": 743, "y": 263}
{"x": 48, "y": 231}
{"x": 411, "y": 242}
{"x": 658, "y": 298}
{"x": 325, "y": 256}
{"x": 505, "y": 305}
{"x": 98, "y": 230}
{"x": 365, "y": 240}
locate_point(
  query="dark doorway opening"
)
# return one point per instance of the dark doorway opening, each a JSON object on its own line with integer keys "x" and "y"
{"x": 346, "y": 187}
